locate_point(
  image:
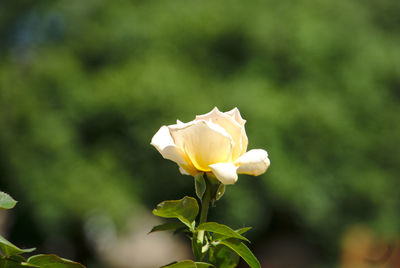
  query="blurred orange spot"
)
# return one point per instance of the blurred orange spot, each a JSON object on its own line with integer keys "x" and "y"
{"x": 362, "y": 249}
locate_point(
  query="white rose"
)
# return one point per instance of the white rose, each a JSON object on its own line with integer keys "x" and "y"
{"x": 215, "y": 142}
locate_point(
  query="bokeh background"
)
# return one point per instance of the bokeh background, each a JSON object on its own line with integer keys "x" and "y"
{"x": 84, "y": 85}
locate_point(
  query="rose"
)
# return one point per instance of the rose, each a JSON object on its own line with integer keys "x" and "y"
{"x": 215, "y": 142}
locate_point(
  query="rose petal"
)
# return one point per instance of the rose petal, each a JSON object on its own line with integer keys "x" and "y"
{"x": 183, "y": 171}
{"x": 254, "y": 162}
{"x": 230, "y": 125}
{"x": 164, "y": 143}
{"x": 203, "y": 142}
{"x": 235, "y": 114}
{"x": 225, "y": 172}
{"x": 244, "y": 141}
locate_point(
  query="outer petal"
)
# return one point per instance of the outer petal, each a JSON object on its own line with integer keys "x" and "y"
{"x": 235, "y": 114}
{"x": 225, "y": 172}
{"x": 254, "y": 162}
{"x": 230, "y": 125}
{"x": 164, "y": 143}
{"x": 183, "y": 171}
{"x": 203, "y": 142}
{"x": 244, "y": 141}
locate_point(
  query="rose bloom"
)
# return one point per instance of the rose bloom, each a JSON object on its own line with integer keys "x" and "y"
{"x": 215, "y": 142}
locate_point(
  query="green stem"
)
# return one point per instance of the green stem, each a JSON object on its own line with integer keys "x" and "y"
{"x": 205, "y": 204}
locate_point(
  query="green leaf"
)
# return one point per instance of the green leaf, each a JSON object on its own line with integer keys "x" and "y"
{"x": 16, "y": 258}
{"x": 243, "y": 251}
{"x": 203, "y": 265}
{"x": 9, "y": 249}
{"x": 199, "y": 185}
{"x": 188, "y": 264}
{"x": 169, "y": 226}
{"x": 239, "y": 231}
{"x": 243, "y": 230}
{"x": 185, "y": 209}
{"x": 6, "y": 201}
{"x": 220, "y": 192}
{"x": 181, "y": 264}
{"x": 223, "y": 257}
{"x": 14, "y": 263}
{"x": 53, "y": 261}
{"x": 217, "y": 189}
{"x": 220, "y": 229}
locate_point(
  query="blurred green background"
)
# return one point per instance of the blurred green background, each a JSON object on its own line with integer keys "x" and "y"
{"x": 84, "y": 85}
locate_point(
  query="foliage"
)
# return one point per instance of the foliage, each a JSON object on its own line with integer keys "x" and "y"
{"x": 211, "y": 241}
{"x": 11, "y": 254}
{"x": 185, "y": 210}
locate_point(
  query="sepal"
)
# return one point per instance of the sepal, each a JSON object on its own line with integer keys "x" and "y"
{"x": 200, "y": 185}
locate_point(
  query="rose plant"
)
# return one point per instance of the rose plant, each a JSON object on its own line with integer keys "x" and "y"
{"x": 11, "y": 256}
{"x": 213, "y": 149}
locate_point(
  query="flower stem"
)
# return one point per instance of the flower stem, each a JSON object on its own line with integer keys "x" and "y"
{"x": 205, "y": 204}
